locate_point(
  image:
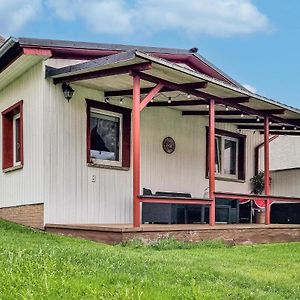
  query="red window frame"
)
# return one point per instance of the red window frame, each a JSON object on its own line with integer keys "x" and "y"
{"x": 126, "y": 128}
{"x": 8, "y": 136}
{"x": 241, "y": 168}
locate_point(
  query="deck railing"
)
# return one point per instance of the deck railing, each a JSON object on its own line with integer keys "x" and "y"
{"x": 238, "y": 196}
{"x": 224, "y": 195}
{"x": 174, "y": 200}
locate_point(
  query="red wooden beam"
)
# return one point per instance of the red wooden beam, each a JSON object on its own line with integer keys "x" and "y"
{"x": 239, "y": 120}
{"x": 104, "y": 73}
{"x": 283, "y": 132}
{"x": 211, "y": 162}
{"x": 206, "y": 113}
{"x": 228, "y": 112}
{"x": 175, "y": 200}
{"x": 194, "y": 85}
{"x": 136, "y": 151}
{"x": 151, "y": 95}
{"x": 267, "y": 168}
{"x": 240, "y": 196}
{"x": 225, "y": 101}
{"x": 272, "y": 127}
{"x": 267, "y": 112}
{"x": 179, "y": 103}
{"x": 188, "y": 90}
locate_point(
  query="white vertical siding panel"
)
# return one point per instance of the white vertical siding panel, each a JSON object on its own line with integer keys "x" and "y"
{"x": 73, "y": 198}
{"x": 286, "y": 183}
{"x": 25, "y": 186}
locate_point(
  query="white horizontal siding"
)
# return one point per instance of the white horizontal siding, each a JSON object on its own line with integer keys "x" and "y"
{"x": 25, "y": 186}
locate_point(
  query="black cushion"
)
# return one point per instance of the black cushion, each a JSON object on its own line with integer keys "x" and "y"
{"x": 173, "y": 194}
{"x": 147, "y": 192}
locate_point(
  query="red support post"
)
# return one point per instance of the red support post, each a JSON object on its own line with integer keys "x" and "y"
{"x": 267, "y": 168}
{"x": 136, "y": 150}
{"x": 211, "y": 162}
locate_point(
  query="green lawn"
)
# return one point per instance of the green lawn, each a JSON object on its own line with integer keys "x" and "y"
{"x": 37, "y": 265}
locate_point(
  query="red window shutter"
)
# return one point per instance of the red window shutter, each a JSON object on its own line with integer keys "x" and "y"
{"x": 241, "y": 158}
{"x": 7, "y": 141}
{"x": 88, "y": 133}
{"x": 7, "y": 135}
{"x": 126, "y": 140}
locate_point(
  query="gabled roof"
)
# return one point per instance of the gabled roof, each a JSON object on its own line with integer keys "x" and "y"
{"x": 173, "y": 66}
{"x": 93, "y": 50}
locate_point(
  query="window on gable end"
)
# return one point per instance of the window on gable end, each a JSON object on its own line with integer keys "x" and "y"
{"x": 12, "y": 137}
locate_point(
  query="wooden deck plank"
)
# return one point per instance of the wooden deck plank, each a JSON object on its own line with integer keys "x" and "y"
{"x": 169, "y": 227}
{"x": 235, "y": 234}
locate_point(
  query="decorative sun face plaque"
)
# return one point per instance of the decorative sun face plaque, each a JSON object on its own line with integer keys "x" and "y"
{"x": 168, "y": 145}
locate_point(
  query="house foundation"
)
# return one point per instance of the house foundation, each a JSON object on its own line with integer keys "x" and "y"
{"x": 233, "y": 234}
{"x": 30, "y": 215}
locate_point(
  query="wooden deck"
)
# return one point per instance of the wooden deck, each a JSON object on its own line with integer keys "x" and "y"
{"x": 235, "y": 234}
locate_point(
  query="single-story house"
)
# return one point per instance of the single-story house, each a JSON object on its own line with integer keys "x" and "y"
{"x": 96, "y": 133}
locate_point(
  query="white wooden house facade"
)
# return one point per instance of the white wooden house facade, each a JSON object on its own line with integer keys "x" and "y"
{"x": 54, "y": 170}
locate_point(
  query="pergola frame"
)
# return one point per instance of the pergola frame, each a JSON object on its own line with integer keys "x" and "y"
{"x": 139, "y": 105}
{"x": 203, "y": 98}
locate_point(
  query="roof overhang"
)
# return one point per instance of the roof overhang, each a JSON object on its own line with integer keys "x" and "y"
{"x": 113, "y": 75}
{"x": 86, "y": 51}
{"x": 15, "y": 60}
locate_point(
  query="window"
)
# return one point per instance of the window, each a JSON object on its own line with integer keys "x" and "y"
{"x": 16, "y": 140}
{"x": 226, "y": 156}
{"x": 108, "y": 135}
{"x": 229, "y": 155}
{"x": 12, "y": 136}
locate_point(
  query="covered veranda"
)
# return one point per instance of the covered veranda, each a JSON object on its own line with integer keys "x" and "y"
{"x": 155, "y": 82}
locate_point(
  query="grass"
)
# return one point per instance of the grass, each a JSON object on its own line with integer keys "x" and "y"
{"x": 38, "y": 265}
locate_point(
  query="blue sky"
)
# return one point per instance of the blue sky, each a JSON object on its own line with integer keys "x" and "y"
{"x": 255, "y": 42}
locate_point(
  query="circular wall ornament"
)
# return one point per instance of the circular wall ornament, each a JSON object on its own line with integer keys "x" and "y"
{"x": 168, "y": 145}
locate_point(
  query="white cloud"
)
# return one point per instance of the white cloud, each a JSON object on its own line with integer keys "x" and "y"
{"x": 14, "y": 14}
{"x": 250, "y": 88}
{"x": 198, "y": 17}
{"x": 193, "y": 18}
{"x": 100, "y": 16}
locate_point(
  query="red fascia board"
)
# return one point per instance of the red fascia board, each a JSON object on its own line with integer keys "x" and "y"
{"x": 85, "y": 54}
{"x": 172, "y": 57}
{"x": 80, "y": 54}
{"x": 203, "y": 67}
{"x": 7, "y": 61}
{"x": 194, "y": 63}
{"x": 37, "y": 51}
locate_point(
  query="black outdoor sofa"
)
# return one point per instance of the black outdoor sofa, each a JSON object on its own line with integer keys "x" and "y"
{"x": 227, "y": 211}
